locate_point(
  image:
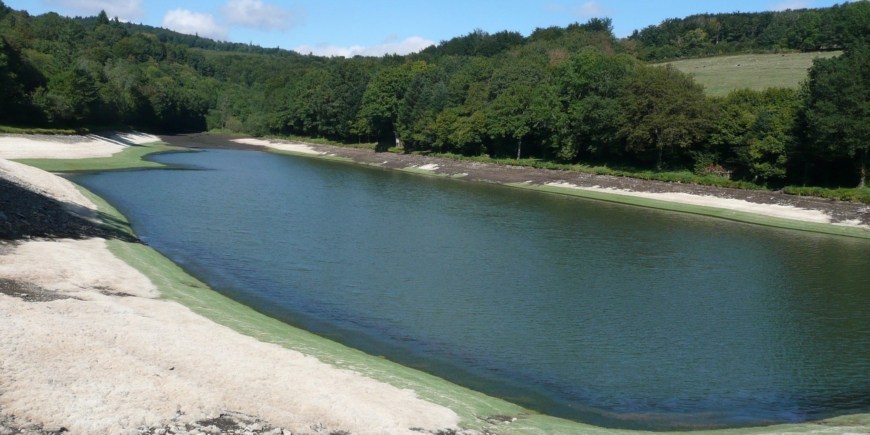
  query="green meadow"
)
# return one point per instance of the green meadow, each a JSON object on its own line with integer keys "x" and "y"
{"x": 721, "y": 75}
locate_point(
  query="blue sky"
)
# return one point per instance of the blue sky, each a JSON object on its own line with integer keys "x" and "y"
{"x": 345, "y": 27}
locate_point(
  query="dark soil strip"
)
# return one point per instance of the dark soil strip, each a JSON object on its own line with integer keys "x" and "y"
{"x": 28, "y": 292}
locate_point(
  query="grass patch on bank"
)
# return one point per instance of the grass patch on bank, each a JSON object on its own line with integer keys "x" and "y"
{"x": 302, "y": 154}
{"x": 686, "y": 177}
{"x": 26, "y": 130}
{"x": 130, "y": 158}
{"x": 723, "y": 74}
{"x": 82, "y": 130}
{"x": 324, "y": 141}
{"x": 721, "y": 213}
{"x": 841, "y": 194}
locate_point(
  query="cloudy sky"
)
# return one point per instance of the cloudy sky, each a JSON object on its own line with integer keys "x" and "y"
{"x": 347, "y": 28}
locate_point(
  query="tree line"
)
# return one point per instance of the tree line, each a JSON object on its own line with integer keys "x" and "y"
{"x": 572, "y": 95}
{"x": 790, "y": 30}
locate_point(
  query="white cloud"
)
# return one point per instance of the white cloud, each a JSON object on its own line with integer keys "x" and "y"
{"x": 407, "y": 46}
{"x": 586, "y": 10}
{"x": 259, "y": 15}
{"x": 189, "y": 22}
{"x": 126, "y": 9}
{"x": 791, "y": 4}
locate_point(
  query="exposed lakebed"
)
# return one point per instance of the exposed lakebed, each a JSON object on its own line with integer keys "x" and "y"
{"x": 607, "y": 314}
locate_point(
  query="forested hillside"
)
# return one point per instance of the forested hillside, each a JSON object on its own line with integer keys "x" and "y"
{"x": 717, "y": 34}
{"x": 574, "y": 95}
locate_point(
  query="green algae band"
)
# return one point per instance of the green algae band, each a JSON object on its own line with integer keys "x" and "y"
{"x": 609, "y": 315}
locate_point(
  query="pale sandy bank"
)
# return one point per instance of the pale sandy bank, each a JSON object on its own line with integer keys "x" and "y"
{"x": 280, "y": 145}
{"x": 113, "y": 356}
{"x": 45, "y": 183}
{"x": 772, "y": 210}
{"x": 69, "y": 147}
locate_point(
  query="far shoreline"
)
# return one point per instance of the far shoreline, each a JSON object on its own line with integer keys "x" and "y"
{"x": 765, "y": 208}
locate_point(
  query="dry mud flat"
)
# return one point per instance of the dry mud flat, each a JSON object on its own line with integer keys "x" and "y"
{"x": 763, "y": 203}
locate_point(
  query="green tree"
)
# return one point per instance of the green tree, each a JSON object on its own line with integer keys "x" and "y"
{"x": 754, "y": 130}
{"x": 102, "y": 19}
{"x": 379, "y": 111}
{"x": 520, "y": 110}
{"x": 838, "y": 106}
{"x": 10, "y": 88}
{"x": 522, "y": 100}
{"x": 4, "y": 10}
{"x": 590, "y": 85}
{"x": 664, "y": 110}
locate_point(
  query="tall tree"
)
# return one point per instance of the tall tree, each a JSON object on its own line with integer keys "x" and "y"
{"x": 590, "y": 85}
{"x": 379, "y": 111}
{"x": 665, "y": 110}
{"x": 520, "y": 110}
{"x": 838, "y": 106}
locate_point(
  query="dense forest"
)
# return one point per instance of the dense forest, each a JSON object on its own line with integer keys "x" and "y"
{"x": 715, "y": 34}
{"x": 566, "y": 95}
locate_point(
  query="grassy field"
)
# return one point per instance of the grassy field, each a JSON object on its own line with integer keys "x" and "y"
{"x": 721, "y": 75}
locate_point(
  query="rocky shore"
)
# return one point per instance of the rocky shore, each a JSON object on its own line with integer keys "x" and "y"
{"x": 229, "y": 423}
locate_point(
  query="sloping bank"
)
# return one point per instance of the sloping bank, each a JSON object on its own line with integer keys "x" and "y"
{"x": 215, "y": 366}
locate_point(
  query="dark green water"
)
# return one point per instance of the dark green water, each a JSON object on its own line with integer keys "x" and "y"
{"x": 608, "y": 314}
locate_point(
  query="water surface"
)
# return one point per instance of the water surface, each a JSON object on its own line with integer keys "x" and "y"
{"x": 608, "y": 314}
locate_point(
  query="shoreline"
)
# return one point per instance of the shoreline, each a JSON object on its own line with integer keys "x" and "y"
{"x": 477, "y": 412}
{"x": 766, "y": 208}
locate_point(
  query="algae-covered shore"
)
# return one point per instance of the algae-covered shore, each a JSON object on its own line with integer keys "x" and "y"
{"x": 128, "y": 342}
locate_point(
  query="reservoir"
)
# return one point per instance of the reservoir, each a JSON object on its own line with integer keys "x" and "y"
{"x": 612, "y": 315}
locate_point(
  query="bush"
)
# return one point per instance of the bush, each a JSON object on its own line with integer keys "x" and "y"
{"x": 852, "y": 195}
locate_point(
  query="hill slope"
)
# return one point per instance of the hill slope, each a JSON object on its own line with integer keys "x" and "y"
{"x": 724, "y": 74}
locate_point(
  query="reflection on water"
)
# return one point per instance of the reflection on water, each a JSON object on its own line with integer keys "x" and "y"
{"x": 608, "y": 314}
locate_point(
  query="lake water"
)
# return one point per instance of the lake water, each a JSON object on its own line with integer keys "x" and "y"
{"x": 608, "y": 314}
